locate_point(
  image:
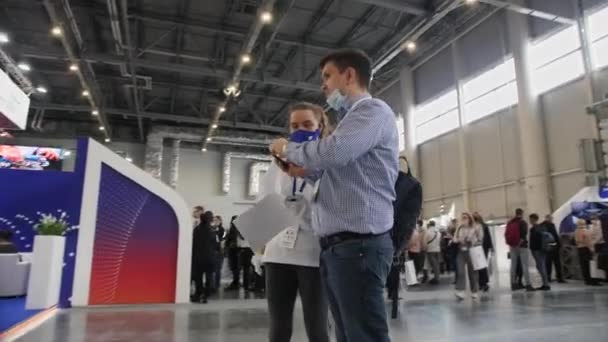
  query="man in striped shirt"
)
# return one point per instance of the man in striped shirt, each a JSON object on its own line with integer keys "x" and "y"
{"x": 357, "y": 166}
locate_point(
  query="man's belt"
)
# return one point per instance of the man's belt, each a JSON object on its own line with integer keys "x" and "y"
{"x": 338, "y": 238}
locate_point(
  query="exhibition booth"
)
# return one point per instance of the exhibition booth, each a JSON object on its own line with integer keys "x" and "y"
{"x": 104, "y": 233}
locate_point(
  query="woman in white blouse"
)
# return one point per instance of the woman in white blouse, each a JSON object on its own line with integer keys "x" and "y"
{"x": 291, "y": 258}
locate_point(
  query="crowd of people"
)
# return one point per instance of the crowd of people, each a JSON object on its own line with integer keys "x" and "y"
{"x": 447, "y": 250}
{"x": 212, "y": 244}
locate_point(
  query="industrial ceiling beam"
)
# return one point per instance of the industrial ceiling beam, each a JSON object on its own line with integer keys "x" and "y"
{"x": 246, "y": 49}
{"x": 397, "y": 5}
{"x": 135, "y": 89}
{"x": 293, "y": 51}
{"x": 65, "y": 20}
{"x": 531, "y": 12}
{"x": 226, "y": 30}
{"x": 174, "y": 67}
{"x": 162, "y": 116}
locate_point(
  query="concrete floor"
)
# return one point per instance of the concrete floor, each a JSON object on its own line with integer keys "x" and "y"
{"x": 570, "y": 312}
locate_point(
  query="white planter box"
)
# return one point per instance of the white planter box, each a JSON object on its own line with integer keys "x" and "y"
{"x": 46, "y": 271}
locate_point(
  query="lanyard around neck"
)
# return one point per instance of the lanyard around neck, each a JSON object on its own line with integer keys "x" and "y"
{"x": 295, "y": 186}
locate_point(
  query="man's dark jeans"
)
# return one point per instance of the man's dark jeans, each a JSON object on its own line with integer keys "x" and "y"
{"x": 354, "y": 275}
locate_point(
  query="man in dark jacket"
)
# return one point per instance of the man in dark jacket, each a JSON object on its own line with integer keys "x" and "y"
{"x": 553, "y": 256}
{"x": 205, "y": 251}
{"x": 519, "y": 252}
{"x": 539, "y": 250}
{"x": 484, "y": 276}
{"x": 234, "y": 254}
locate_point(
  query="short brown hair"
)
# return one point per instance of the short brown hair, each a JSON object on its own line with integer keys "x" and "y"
{"x": 319, "y": 113}
{"x": 351, "y": 58}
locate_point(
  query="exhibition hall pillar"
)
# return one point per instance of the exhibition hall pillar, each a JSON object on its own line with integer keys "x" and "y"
{"x": 463, "y": 132}
{"x": 529, "y": 117}
{"x": 406, "y": 82}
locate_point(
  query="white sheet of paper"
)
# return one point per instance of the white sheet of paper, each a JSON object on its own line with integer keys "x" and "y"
{"x": 266, "y": 219}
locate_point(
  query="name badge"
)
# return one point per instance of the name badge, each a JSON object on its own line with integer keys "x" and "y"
{"x": 290, "y": 235}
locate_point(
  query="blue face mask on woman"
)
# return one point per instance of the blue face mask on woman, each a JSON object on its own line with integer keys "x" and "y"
{"x": 302, "y": 136}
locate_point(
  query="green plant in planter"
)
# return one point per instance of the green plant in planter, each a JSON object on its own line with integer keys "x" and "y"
{"x": 50, "y": 224}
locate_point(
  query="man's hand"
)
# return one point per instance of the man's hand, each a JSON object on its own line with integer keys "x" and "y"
{"x": 278, "y": 147}
{"x": 297, "y": 171}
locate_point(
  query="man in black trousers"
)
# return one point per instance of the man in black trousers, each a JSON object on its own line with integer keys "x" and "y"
{"x": 553, "y": 256}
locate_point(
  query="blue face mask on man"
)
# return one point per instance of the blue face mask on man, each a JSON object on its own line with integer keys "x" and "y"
{"x": 336, "y": 100}
{"x": 302, "y": 136}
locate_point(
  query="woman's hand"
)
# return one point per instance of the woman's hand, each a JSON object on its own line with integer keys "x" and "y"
{"x": 297, "y": 171}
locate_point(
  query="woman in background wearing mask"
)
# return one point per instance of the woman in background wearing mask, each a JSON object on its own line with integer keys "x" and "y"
{"x": 291, "y": 258}
{"x": 468, "y": 235}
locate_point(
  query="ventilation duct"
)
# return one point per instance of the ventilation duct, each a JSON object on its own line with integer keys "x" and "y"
{"x": 174, "y": 165}
{"x": 154, "y": 150}
{"x": 155, "y": 145}
{"x": 228, "y": 162}
{"x": 255, "y": 174}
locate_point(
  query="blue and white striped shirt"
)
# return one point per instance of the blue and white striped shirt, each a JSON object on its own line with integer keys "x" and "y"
{"x": 360, "y": 163}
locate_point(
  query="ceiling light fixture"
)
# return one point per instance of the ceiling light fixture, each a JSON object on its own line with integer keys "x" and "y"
{"x": 95, "y": 112}
{"x": 470, "y": 2}
{"x": 410, "y": 46}
{"x": 101, "y": 128}
{"x": 4, "y": 38}
{"x": 108, "y": 140}
{"x": 214, "y": 126}
{"x": 222, "y": 109}
{"x": 246, "y": 59}
{"x": 85, "y": 93}
{"x": 204, "y": 149}
{"x": 73, "y": 67}
{"x": 266, "y": 17}
{"x": 24, "y": 66}
{"x": 56, "y": 31}
{"x": 209, "y": 139}
{"x": 41, "y": 90}
{"x": 129, "y": 159}
{"x": 232, "y": 90}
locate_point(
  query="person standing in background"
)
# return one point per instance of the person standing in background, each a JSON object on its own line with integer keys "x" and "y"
{"x": 597, "y": 238}
{"x": 232, "y": 250}
{"x": 468, "y": 235}
{"x": 414, "y": 248}
{"x": 488, "y": 246}
{"x": 218, "y": 229}
{"x": 197, "y": 212}
{"x": 516, "y": 237}
{"x": 432, "y": 246}
{"x": 245, "y": 256}
{"x": 539, "y": 247}
{"x": 602, "y": 249}
{"x": 584, "y": 244}
{"x": 357, "y": 168}
{"x": 452, "y": 249}
{"x": 553, "y": 256}
{"x": 205, "y": 252}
